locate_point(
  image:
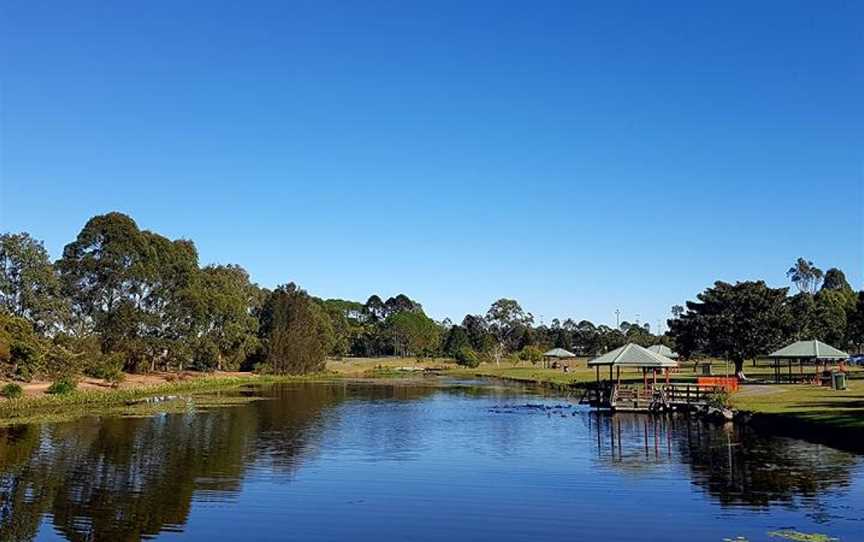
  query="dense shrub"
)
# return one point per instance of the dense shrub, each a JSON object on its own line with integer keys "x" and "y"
{"x": 11, "y": 391}
{"x": 63, "y": 386}
{"x": 465, "y": 356}
{"x": 108, "y": 367}
{"x": 531, "y": 353}
{"x": 296, "y": 332}
{"x": 22, "y": 352}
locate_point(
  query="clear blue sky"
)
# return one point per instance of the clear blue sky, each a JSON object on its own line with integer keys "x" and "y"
{"x": 579, "y": 158}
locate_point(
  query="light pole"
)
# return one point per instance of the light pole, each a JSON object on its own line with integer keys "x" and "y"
{"x": 617, "y": 318}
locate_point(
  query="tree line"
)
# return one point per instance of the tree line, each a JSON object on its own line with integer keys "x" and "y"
{"x": 123, "y": 299}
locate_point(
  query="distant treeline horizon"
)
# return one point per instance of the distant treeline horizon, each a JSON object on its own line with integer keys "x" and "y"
{"x": 125, "y": 299}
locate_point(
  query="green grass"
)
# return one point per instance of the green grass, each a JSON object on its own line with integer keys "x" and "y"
{"x": 807, "y": 403}
{"x": 536, "y": 375}
{"x": 11, "y": 391}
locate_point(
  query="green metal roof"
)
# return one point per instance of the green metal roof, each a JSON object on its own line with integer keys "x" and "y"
{"x": 663, "y": 350}
{"x": 559, "y": 353}
{"x": 633, "y": 355}
{"x": 809, "y": 349}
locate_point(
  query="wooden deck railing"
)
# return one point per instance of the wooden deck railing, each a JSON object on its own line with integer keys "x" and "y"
{"x": 663, "y": 395}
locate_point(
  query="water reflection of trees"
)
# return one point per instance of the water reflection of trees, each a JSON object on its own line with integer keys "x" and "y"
{"x": 121, "y": 479}
{"x": 733, "y": 463}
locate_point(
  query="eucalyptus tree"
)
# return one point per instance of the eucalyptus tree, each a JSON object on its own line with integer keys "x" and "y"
{"x": 104, "y": 273}
{"x": 130, "y": 287}
{"x": 506, "y": 320}
{"x": 223, "y": 301}
{"x": 805, "y": 275}
{"x": 29, "y": 286}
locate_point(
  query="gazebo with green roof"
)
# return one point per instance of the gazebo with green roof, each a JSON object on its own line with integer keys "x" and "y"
{"x": 633, "y": 356}
{"x": 559, "y": 353}
{"x": 802, "y": 351}
{"x": 663, "y": 350}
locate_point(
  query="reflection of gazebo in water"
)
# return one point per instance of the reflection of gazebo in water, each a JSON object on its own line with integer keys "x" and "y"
{"x": 815, "y": 352}
{"x": 663, "y": 350}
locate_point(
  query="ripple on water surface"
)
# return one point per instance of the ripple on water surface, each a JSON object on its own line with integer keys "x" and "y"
{"x": 411, "y": 462}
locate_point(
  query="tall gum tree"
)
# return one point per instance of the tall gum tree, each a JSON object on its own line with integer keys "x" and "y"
{"x": 506, "y": 321}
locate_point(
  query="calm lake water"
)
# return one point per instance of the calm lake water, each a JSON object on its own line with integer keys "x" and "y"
{"x": 356, "y": 462}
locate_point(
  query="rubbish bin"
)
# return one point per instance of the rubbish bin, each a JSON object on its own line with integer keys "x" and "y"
{"x": 838, "y": 380}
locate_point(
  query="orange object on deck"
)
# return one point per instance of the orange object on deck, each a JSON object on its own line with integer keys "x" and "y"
{"x": 728, "y": 383}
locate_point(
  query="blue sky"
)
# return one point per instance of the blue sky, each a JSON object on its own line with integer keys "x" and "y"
{"x": 577, "y": 157}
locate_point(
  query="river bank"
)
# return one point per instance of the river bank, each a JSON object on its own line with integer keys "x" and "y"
{"x": 811, "y": 412}
{"x": 96, "y": 397}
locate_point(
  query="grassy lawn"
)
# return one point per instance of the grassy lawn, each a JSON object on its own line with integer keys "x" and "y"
{"x": 383, "y": 366}
{"x": 528, "y": 373}
{"x": 807, "y": 403}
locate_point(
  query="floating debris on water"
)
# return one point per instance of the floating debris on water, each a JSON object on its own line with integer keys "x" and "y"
{"x": 797, "y": 536}
{"x": 561, "y": 409}
{"x": 150, "y": 400}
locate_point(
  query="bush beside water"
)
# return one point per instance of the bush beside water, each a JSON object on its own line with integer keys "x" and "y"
{"x": 64, "y": 386}
{"x": 467, "y": 357}
{"x": 11, "y": 391}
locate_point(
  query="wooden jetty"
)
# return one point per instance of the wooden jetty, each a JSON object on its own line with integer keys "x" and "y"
{"x": 651, "y": 396}
{"x": 662, "y": 397}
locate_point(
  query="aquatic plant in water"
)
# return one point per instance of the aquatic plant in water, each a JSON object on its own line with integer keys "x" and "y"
{"x": 802, "y": 537}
